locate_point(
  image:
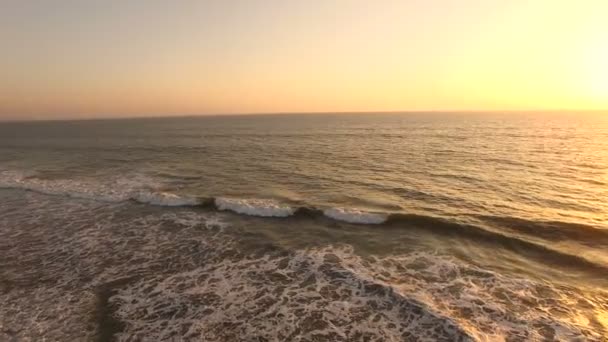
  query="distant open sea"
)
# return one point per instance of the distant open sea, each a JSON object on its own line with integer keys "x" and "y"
{"x": 332, "y": 227}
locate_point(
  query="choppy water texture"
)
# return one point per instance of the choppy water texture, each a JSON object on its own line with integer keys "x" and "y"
{"x": 385, "y": 227}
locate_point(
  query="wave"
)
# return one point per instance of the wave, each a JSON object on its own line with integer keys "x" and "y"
{"x": 70, "y": 188}
{"x": 492, "y": 237}
{"x": 550, "y": 230}
{"x": 355, "y": 216}
{"x": 254, "y": 207}
{"x": 494, "y": 234}
{"x": 165, "y": 199}
{"x": 138, "y": 188}
{"x": 148, "y": 191}
{"x": 272, "y": 208}
{"x": 267, "y": 291}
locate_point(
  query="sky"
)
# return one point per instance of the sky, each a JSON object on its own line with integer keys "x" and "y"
{"x": 115, "y": 58}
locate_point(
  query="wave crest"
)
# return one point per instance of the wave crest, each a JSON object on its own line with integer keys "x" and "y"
{"x": 254, "y": 207}
{"x": 506, "y": 232}
{"x": 165, "y": 199}
{"x": 355, "y": 216}
{"x": 139, "y": 188}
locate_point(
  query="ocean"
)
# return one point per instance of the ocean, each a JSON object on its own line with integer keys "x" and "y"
{"x": 306, "y": 227}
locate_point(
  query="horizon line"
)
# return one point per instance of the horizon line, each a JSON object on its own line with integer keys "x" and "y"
{"x": 230, "y": 114}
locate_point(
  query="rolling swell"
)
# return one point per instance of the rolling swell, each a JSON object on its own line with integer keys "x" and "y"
{"x": 490, "y": 237}
{"x": 436, "y": 225}
{"x": 551, "y": 231}
{"x": 548, "y": 230}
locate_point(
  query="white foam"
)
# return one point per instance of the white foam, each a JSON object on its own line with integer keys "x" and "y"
{"x": 137, "y": 187}
{"x": 254, "y": 207}
{"x": 165, "y": 199}
{"x": 55, "y": 309}
{"x": 188, "y": 278}
{"x": 64, "y": 187}
{"x": 354, "y": 216}
{"x": 431, "y": 297}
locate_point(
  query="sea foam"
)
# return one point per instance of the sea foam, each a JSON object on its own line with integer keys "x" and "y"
{"x": 138, "y": 188}
{"x": 254, "y": 207}
{"x": 354, "y": 216}
{"x": 165, "y": 199}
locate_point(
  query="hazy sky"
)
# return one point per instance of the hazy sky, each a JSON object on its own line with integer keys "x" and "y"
{"x": 125, "y": 58}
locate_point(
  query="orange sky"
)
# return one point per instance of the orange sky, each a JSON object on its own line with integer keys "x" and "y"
{"x": 114, "y": 58}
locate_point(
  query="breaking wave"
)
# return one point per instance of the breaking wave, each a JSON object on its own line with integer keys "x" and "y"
{"x": 183, "y": 279}
{"x": 497, "y": 233}
{"x": 254, "y": 207}
{"x": 355, "y": 216}
{"x": 138, "y": 188}
{"x": 168, "y": 275}
{"x": 165, "y": 199}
